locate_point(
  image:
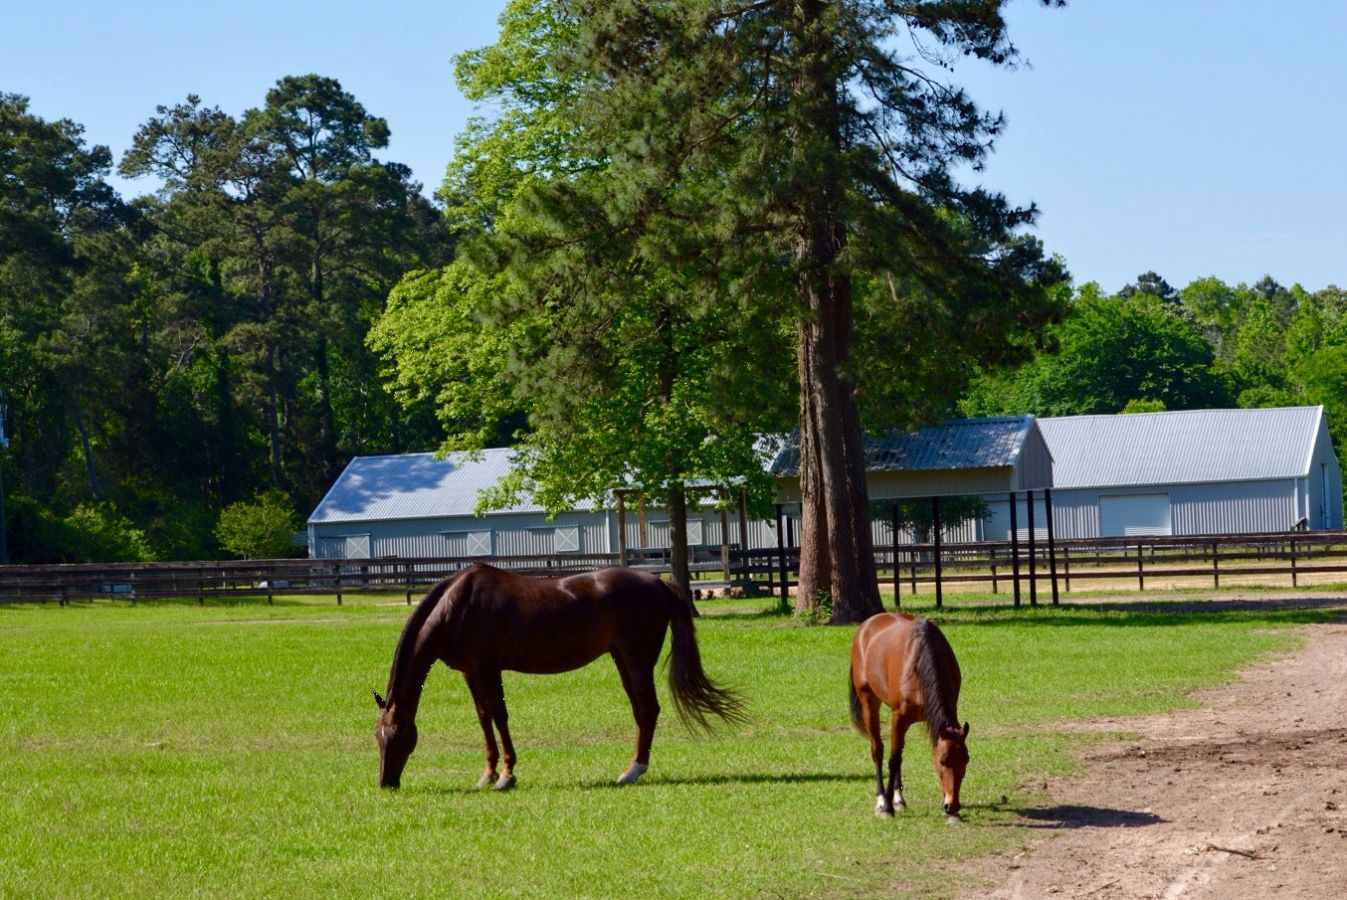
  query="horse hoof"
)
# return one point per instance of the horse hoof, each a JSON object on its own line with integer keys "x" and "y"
{"x": 504, "y": 784}
{"x": 487, "y": 779}
{"x": 953, "y": 819}
{"x": 633, "y": 773}
{"x": 882, "y": 809}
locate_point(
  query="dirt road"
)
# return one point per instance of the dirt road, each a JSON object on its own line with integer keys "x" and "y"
{"x": 1216, "y": 802}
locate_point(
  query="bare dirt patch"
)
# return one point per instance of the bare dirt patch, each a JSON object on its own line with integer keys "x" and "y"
{"x": 1244, "y": 797}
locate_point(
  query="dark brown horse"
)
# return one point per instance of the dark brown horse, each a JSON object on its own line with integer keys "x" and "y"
{"x": 906, "y": 664}
{"x": 484, "y": 620}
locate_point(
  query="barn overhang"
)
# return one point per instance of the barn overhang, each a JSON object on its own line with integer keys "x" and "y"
{"x": 959, "y": 458}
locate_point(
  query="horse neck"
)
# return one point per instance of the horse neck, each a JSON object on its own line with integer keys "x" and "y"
{"x": 404, "y": 688}
{"x": 935, "y": 662}
{"x": 412, "y": 662}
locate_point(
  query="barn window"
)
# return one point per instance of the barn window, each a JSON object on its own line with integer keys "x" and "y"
{"x": 344, "y": 546}
{"x": 566, "y": 539}
{"x": 469, "y": 543}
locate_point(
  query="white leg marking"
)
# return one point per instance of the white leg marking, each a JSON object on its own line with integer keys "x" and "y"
{"x": 633, "y": 773}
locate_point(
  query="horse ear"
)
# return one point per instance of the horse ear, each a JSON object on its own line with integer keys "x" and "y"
{"x": 965, "y": 731}
{"x": 379, "y": 700}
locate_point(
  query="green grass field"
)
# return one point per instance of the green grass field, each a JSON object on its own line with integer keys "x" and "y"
{"x": 169, "y": 750}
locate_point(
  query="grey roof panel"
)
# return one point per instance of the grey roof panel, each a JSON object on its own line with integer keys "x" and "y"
{"x": 1192, "y": 446}
{"x": 415, "y": 486}
{"x": 961, "y": 444}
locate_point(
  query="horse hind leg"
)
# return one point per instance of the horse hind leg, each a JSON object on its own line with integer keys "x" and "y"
{"x": 639, "y": 683}
{"x": 482, "y": 702}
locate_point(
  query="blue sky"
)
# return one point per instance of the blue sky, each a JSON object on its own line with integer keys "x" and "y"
{"x": 1192, "y": 137}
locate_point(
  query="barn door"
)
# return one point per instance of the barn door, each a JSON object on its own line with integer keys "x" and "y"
{"x": 1127, "y": 515}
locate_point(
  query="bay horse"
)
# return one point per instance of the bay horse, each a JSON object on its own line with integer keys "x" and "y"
{"x": 483, "y": 620}
{"x": 907, "y": 664}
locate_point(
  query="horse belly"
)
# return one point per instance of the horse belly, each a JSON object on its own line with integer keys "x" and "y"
{"x": 552, "y": 661}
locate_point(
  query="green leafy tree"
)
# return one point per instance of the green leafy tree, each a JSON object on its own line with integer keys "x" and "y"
{"x": 1150, "y": 283}
{"x": 634, "y": 381}
{"x": 261, "y": 528}
{"x": 785, "y": 159}
{"x": 1111, "y": 352}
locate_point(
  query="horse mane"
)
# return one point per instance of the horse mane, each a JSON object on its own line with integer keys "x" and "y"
{"x": 402, "y": 657}
{"x": 935, "y": 671}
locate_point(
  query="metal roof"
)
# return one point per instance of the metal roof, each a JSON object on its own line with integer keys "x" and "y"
{"x": 415, "y": 486}
{"x": 1193, "y": 446}
{"x": 961, "y": 444}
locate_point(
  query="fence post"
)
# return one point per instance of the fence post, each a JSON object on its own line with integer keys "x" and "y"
{"x": 1141, "y": 572}
{"x": 1293, "y": 563}
{"x": 1215, "y": 565}
{"x": 407, "y": 576}
{"x": 1052, "y": 544}
{"x": 1033, "y": 550}
{"x": 1015, "y": 546}
{"x": 1066, "y": 566}
{"x": 935, "y": 533}
{"x": 781, "y": 557}
{"x": 336, "y": 571}
{"x": 993, "y": 558}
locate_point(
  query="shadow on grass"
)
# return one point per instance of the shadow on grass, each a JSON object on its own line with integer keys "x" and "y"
{"x": 1071, "y": 816}
{"x": 752, "y": 778}
{"x": 647, "y": 783}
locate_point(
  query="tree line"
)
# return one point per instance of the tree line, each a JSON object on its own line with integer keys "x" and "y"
{"x": 202, "y": 345}
{"x": 683, "y": 226}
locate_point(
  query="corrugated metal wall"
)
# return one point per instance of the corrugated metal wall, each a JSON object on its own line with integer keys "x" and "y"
{"x": 1195, "y": 509}
{"x": 512, "y": 535}
{"x": 1248, "y": 506}
{"x": 1228, "y": 508}
{"x": 1325, "y": 484}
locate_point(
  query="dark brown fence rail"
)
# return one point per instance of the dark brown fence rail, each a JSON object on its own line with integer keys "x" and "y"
{"x": 1134, "y": 563}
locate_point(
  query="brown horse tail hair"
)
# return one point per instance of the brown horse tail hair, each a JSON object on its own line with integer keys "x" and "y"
{"x": 695, "y": 695}
{"x": 857, "y": 717}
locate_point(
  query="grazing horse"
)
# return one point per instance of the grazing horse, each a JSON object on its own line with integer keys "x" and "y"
{"x": 483, "y": 620}
{"x": 906, "y": 664}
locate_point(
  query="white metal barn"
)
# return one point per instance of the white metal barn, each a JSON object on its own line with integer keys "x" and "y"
{"x": 1212, "y": 471}
{"x": 418, "y": 505}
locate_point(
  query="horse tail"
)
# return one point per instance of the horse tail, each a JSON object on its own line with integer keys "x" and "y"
{"x": 695, "y": 695}
{"x": 857, "y": 716}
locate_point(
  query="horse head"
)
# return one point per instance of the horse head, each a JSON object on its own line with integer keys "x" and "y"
{"x": 396, "y": 739}
{"x": 951, "y": 762}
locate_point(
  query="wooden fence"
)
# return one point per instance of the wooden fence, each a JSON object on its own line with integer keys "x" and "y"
{"x": 1022, "y": 572}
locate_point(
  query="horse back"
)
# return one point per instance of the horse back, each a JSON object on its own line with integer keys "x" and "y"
{"x": 883, "y": 662}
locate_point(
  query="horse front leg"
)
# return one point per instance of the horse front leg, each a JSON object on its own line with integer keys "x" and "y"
{"x": 496, "y": 690}
{"x": 481, "y": 700}
{"x": 870, "y": 706}
{"x": 898, "y": 737}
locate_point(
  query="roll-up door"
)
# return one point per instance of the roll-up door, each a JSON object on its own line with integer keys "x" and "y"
{"x": 1125, "y": 515}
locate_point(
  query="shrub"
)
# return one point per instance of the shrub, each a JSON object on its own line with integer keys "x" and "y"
{"x": 260, "y": 528}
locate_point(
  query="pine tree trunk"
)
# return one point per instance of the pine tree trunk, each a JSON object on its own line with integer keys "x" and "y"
{"x": 678, "y": 541}
{"x": 830, "y": 426}
{"x": 815, "y": 563}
